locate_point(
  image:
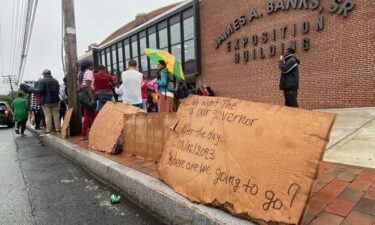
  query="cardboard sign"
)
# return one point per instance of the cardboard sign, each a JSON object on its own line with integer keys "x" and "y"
{"x": 253, "y": 159}
{"x": 145, "y": 134}
{"x": 64, "y": 128}
{"x": 108, "y": 125}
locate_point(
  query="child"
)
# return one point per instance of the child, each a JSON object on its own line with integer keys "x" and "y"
{"x": 20, "y": 113}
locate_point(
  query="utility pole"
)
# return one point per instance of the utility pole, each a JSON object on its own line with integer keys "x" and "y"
{"x": 70, "y": 46}
{"x": 10, "y": 79}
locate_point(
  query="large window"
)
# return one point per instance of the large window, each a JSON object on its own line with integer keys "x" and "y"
{"x": 120, "y": 53}
{"x": 163, "y": 35}
{"x": 102, "y": 57}
{"x": 190, "y": 64}
{"x": 134, "y": 41}
{"x": 109, "y": 61}
{"x": 174, "y": 33}
{"x": 127, "y": 52}
{"x": 114, "y": 65}
{"x": 142, "y": 46}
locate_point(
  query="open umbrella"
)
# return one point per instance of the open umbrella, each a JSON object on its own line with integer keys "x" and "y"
{"x": 173, "y": 65}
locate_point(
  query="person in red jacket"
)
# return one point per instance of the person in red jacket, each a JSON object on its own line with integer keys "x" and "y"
{"x": 102, "y": 87}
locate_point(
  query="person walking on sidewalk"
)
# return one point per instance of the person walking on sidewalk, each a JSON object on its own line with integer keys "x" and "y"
{"x": 86, "y": 96}
{"x": 20, "y": 113}
{"x": 48, "y": 88}
{"x": 289, "y": 79}
{"x": 131, "y": 90}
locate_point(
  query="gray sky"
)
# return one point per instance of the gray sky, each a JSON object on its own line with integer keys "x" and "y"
{"x": 95, "y": 20}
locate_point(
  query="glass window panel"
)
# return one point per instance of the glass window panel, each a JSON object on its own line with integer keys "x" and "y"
{"x": 152, "y": 41}
{"x": 188, "y": 13}
{"x": 190, "y": 62}
{"x": 142, "y": 44}
{"x": 108, "y": 53}
{"x": 102, "y": 58}
{"x": 109, "y": 70}
{"x": 175, "y": 34}
{"x": 188, "y": 28}
{"x": 163, "y": 38}
{"x": 134, "y": 49}
{"x": 121, "y": 67}
{"x": 144, "y": 63}
{"x": 152, "y": 65}
{"x": 151, "y": 30}
{"x": 174, "y": 19}
{"x": 189, "y": 51}
{"x": 176, "y": 51}
{"x": 127, "y": 51}
{"x": 162, "y": 25}
{"x": 120, "y": 53}
{"x": 114, "y": 54}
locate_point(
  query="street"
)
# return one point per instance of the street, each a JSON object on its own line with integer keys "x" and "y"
{"x": 39, "y": 186}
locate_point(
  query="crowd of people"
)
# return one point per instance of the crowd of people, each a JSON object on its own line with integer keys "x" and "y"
{"x": 48, "y": 101}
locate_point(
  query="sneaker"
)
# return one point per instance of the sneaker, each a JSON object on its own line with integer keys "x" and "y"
{"x": 23, "y": 135}
{"x": 17, "y": 131}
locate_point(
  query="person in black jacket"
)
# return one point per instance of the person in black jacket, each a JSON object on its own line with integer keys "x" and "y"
{"x": 48, "y": 88}
{"x": 289, "y": 79}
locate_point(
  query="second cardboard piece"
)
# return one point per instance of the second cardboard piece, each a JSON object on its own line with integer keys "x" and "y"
{"x": 108, "y": 125}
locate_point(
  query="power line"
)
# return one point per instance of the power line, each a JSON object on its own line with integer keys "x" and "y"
{"x": 2, "y": 65}
{"x": 27, "y": 37}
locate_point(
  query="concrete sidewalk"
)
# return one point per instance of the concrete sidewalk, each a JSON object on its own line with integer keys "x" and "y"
{"x": 148, "y": 192}
{"x": 352, "y": 139}
{"x": 352, "y": 142}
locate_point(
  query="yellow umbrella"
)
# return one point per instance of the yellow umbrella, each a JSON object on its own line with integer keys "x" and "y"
{"x": 173, "y": 65}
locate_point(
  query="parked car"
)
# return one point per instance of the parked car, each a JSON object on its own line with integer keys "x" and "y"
{"x": 6, "y": 115}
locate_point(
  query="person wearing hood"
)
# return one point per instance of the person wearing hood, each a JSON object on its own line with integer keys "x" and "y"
{"x": 289, "y": 79}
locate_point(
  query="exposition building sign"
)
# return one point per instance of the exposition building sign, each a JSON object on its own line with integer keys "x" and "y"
{"x": 261, "y": 45}
{"x": 253, "y": 159}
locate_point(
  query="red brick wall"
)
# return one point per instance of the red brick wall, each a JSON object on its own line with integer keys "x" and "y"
{"x": 337, "y": 71}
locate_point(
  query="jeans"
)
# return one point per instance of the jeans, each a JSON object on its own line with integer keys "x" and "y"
{"x": 22, "y": 124}
{"x": 88, "y": 120}
{"x": 51, "y": 113}
{"x": 144, "y": 105}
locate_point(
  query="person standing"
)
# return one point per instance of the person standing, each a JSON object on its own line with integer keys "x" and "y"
{"x": 48, "y": 88}
{"x": 144, "y": 90}
{"x": 102, "y": 87}
{"x": 166, "y": 97}
{"x": 289, "y": 79}
{"x": 20, "y": 113}
{"x": 131, "y": 89}
{"x": 85, "y": 83}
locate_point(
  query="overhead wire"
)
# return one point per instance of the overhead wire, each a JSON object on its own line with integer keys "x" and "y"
{"x": 20, "y": 32}
{"x": 15, "y": 37}
{"x": 28, "y": 33}
{"x": 2, "y": 65}
{"x": 11, "y": 37}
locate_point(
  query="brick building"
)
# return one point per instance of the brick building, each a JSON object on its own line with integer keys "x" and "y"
{"x": 234, "y": 46}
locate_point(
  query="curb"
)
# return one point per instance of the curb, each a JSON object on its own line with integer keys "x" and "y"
{"x": 150, "y": 193}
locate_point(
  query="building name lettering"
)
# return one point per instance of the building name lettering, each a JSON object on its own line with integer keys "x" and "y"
{"x": 248, "y": 47}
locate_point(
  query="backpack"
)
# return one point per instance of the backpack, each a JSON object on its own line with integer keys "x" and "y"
{"x": 172, "y": 84}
